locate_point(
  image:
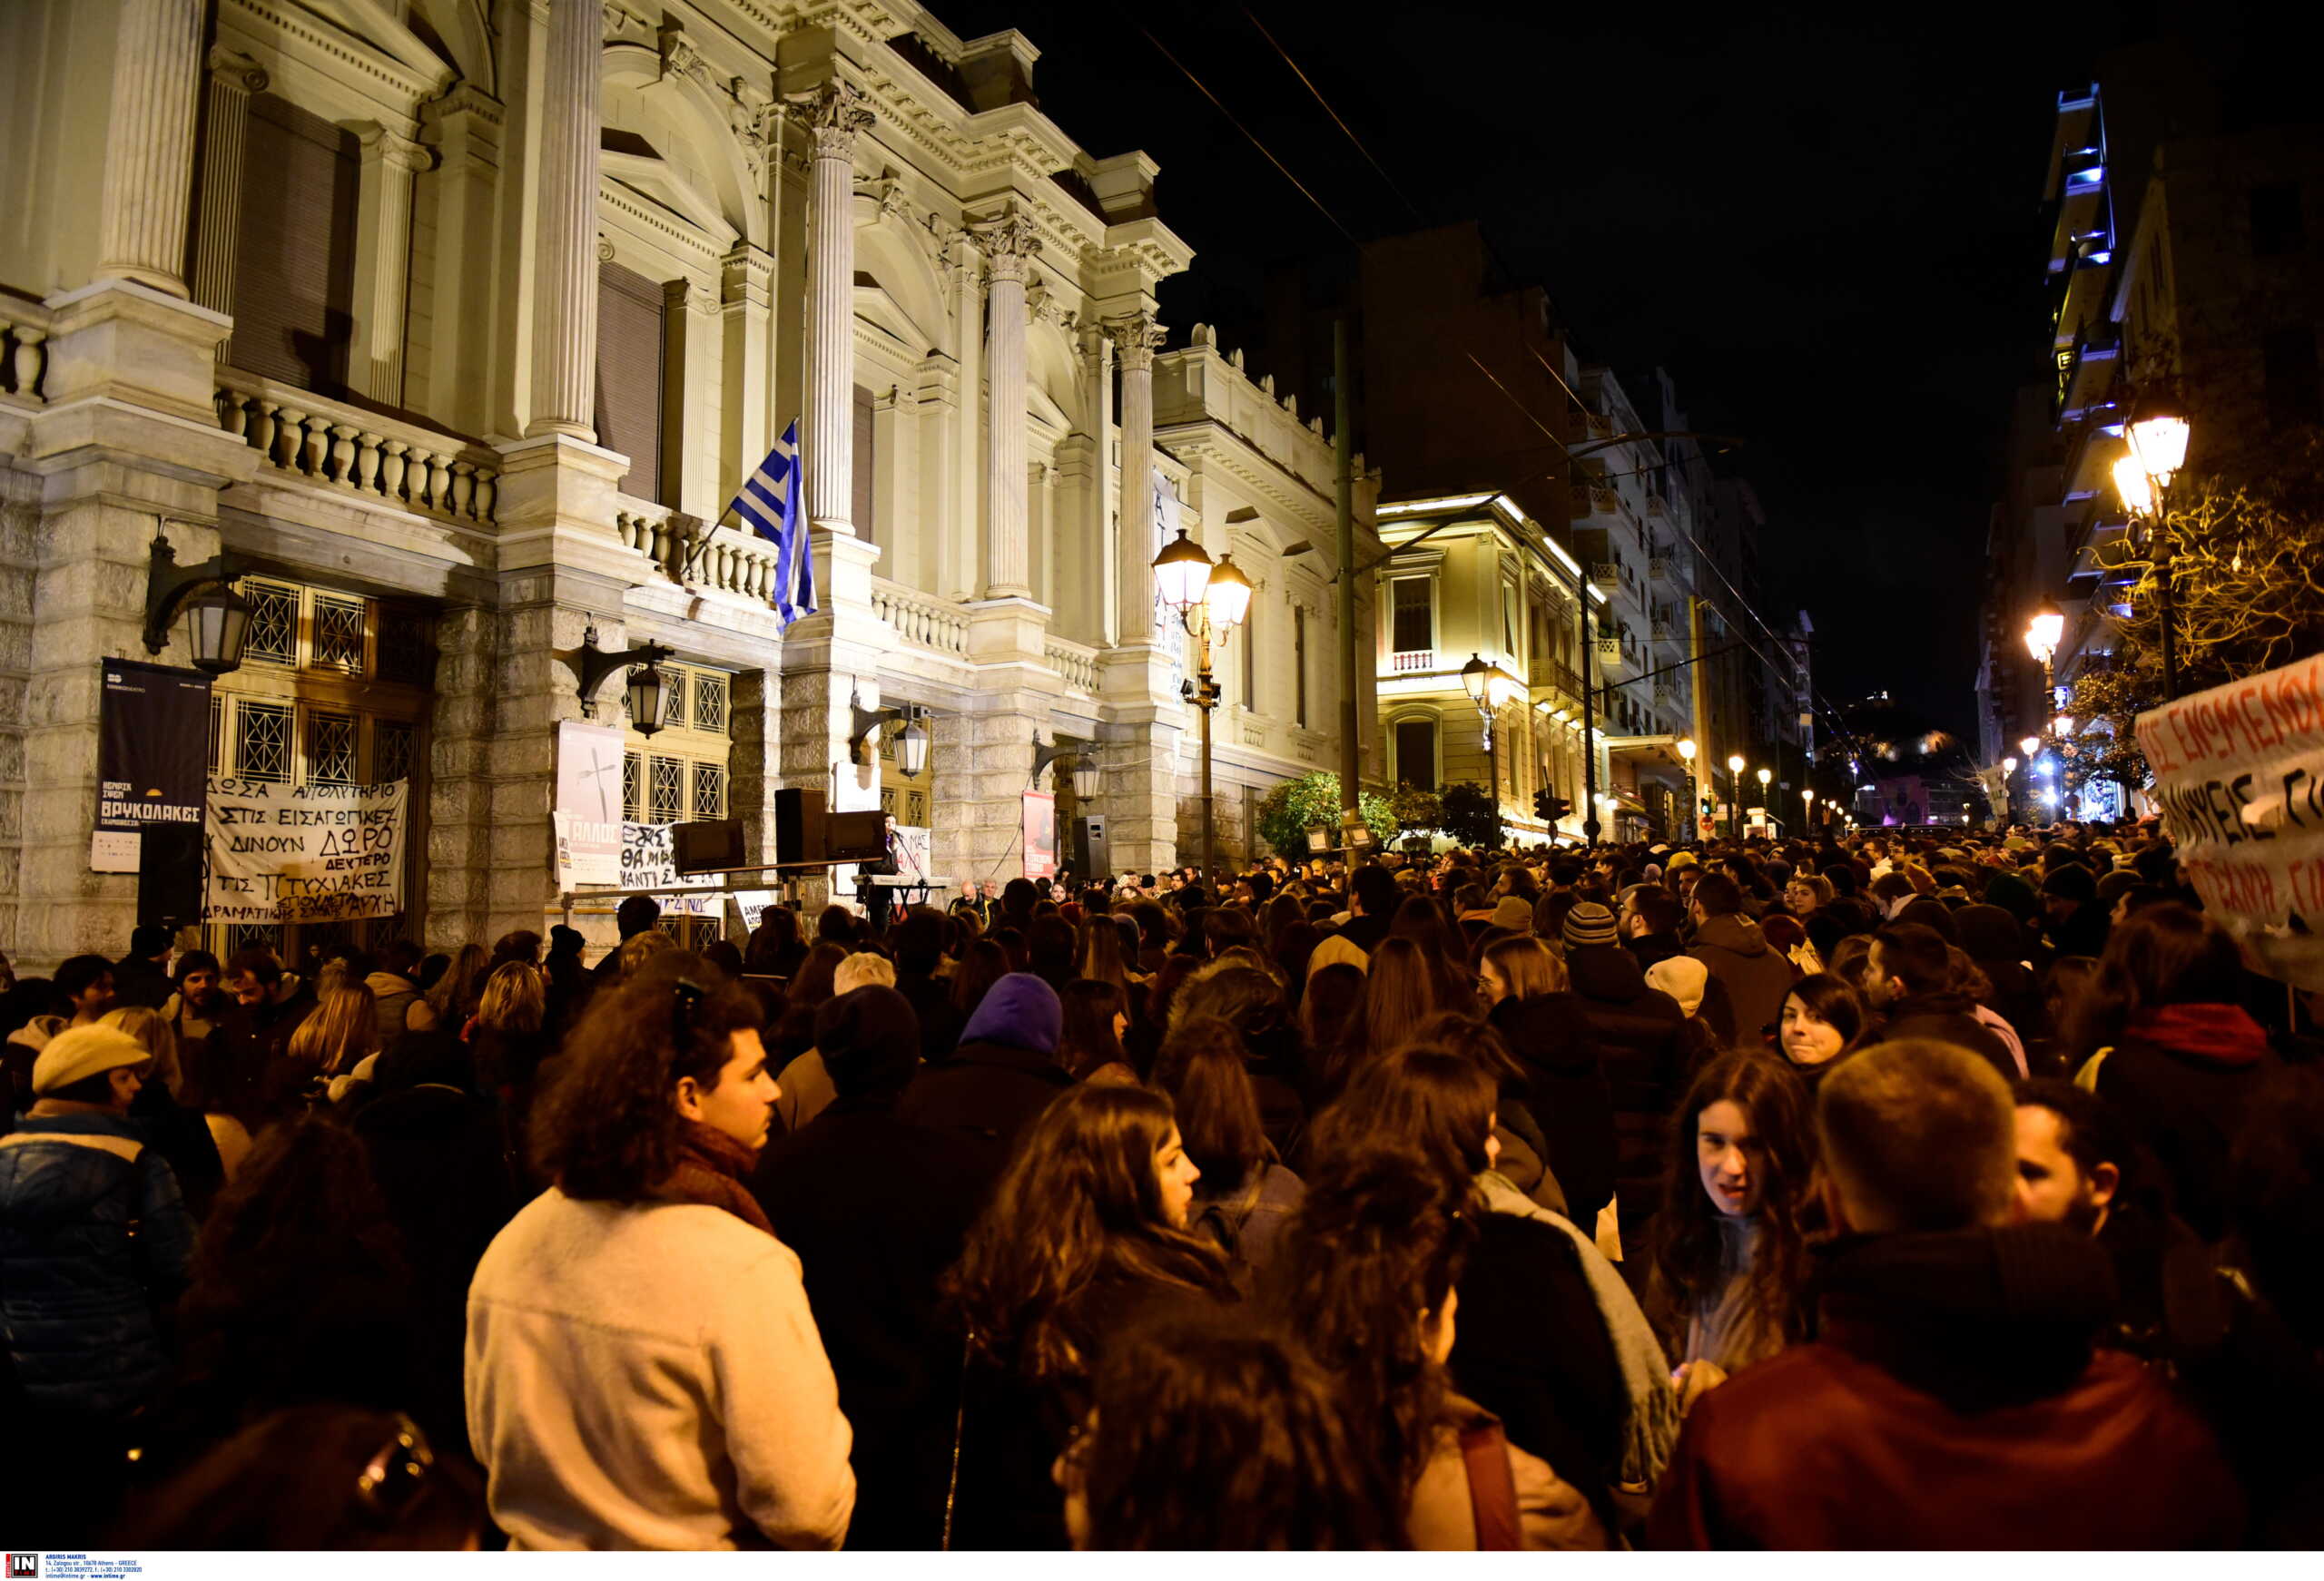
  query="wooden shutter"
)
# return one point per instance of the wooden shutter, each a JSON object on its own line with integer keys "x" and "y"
{"x": 629, "y": 376}
{"x": 866, "y": 460}
{"x": 294, "y": 260}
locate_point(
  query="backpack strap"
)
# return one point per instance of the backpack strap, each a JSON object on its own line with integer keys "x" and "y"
{"x": 1493, "y": 1487}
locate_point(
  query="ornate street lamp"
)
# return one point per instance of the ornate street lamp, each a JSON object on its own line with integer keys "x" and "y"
{"x": 647, "y": 686}
{"x": 1687, "y": 750}
{"x": 2157, "y": 434}
{"x": 217, "y": 618}
{"x": 1735, "y": 796}
{"x": 1210, "y": 601}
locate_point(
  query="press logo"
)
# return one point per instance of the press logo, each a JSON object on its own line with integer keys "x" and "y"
{"x": 24, "y": 1567}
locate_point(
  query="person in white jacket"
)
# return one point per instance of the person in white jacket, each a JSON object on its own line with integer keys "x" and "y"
{"x": 643, "y": 1370}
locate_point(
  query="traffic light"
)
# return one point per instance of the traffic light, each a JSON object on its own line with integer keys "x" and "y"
{"x": 1557, "y": 810}
{"x": 1541, "y": 805}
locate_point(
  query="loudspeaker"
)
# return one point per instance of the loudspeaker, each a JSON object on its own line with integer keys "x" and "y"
{"x": 1091, "y": 857}
{"x": 855, "y": 837}
{"x": 710, "y": 846}
{"x": 799, "y": 824}
{"x": 169, "y": 875}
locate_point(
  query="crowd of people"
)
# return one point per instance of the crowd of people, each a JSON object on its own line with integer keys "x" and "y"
{"x": 1910, "y": 1190}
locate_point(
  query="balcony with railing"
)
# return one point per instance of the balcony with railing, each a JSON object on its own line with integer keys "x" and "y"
{"x": 355, "y": 452}
{"x": 1668, "y": 630}
{"x": 1613, "y": 655}
{"x": 1606, "y": 576}
{"x": 1662, "y": 568}
{"x": 1412, "y": 662}
{"x": 23, "y": 354}
{"x": 1594, "y": 500}
{"x": 1075, "y": 663}
{"x": 921, "y": 619}
{"x": 687, "y": 550}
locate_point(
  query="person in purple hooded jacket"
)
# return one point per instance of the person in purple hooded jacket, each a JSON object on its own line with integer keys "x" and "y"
{"x": 1002, "y": 1074}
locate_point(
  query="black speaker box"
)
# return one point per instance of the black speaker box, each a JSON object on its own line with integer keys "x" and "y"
{"x": 799, "y": 824}
{"x": 712, "y": 845}
{"x": 1092, "y": 857}
{"x": 855, "y": 837}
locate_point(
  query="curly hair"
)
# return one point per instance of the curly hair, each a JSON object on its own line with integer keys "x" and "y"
{"x": 608, "y": 1127}
{"x": 1079, "y": 1203}
{"x": 1686, "y": 1277}
{"x": 1216, "y": 1434}
{"x": 1378, "y": 1243}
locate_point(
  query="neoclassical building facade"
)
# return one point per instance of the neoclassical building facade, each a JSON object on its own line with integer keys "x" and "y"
{"x": 456, "y": 324}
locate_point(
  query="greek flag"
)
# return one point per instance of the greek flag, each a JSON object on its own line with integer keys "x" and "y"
{"x": 769, "y": 502}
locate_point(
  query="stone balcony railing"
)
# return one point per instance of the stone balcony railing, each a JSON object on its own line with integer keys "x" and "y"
{"x": 1663, "y": 568}
{"x": 345, "y": 446}
{"x": 1412, "y": 662}
{"x": 920, "y": 619}
{"x": 1076, "y": 664}
{"x": 1607, "y": 574}
{"x": 689, "y": 552}
{"x": 1612, "y": 655}
{"x": 23, "y": 355}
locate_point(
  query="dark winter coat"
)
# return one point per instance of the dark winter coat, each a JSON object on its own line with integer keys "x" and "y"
{"x": 1003, "y": 1074}
{"x": 1953, "y": 1400}
{"x": 931, "y": 998}
{"x": 877, "y": 1209}
{"x": 140, "y": 983}
{"x": 248, "y": 1043}
{"x": 2183, "y": 1076}
{"x": 1640, "y": 1035}
{"x": 1945, "y": 1018}
{"x": 1755, "y": 975}
{"x": 78, "y": 1291}
{"x": 1567, "y": 1093}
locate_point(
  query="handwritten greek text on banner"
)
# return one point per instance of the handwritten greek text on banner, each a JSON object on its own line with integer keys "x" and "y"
{"x": 305, "y": 853}
{"x": 2239, "y": 773}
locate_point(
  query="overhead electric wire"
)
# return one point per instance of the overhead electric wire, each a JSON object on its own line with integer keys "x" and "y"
{"x": 1247, "y": 133}
{"x": 1337, "y": 120}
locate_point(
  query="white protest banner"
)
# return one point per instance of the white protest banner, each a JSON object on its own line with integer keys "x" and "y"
{"x": 914, "y": 847}
{"x": 588, "y": 804}
{"x": 647, "y": 862}
{"x": 2239, "y": 774}
{"x": 751, "y": 907}
{"x": 305, "y": 853}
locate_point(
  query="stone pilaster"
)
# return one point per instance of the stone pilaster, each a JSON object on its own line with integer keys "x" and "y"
{"x": 746, "y": 289}
{"x": 463, "y": 130}
{"x": 1010, "y": 245}
{"x": 565, "y": 295}
{"x": 834, "y": 115}
{"x": 234, "y": 78}
{"x": 1136, "y": 340}
{"x": 383, "y": 261}
{"x": 1100, "y": 575}
{"x": 149, "y": 143}
{"x": 1141, "y": 793}
{"x": 690, "y": 336}
{"x": 960, "y": 571}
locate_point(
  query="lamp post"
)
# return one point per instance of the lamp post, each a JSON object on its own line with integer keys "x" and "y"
{"x": 1807, "y": 806}
{"x": 1210, "y": 601}
{"x": 1765, "y": 775}
{"x": 1734, "y": 797}
{"x": 1687, "y": 750}
{"x": 1488, "y": 686}
{"x": 2157, "y": 434}
{"x": 2008, "y": 791}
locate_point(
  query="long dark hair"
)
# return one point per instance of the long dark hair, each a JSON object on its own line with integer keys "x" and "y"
{"x": 1687, "y": 1279}
{"x": 1086, "y": 1042}
{"x": 608, "y": 1127}
{"x": 2165, "y": 954}
{"x": 1426, "y": 1100}
{"x": 981, "y": 964}
{"x": 1219, "y": 1436}
{"x": 1399, "y": 996}
{"x": 1078, "y": 1202}
{"x": 1200, "y": 1066}
{"x": 1378, "y": 1242}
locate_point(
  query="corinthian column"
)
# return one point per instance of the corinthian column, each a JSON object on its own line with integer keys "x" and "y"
{"x": 564, "y": 294}
{"x": 149, "y": 143}
{"x": 1136, "y": 340}
{"x": 834, "y": 116}
{"x": 234, "y": 78}
{"x": 1010, "y": 245}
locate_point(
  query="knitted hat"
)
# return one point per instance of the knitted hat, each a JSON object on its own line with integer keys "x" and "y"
{"x": 81, "y": 1051}
{"x": 1021, "y": 1011}
{"x": 1588, "y": 923}
{"x": 1514, "y": 913}
{"x": 1683, "y": 977}
{"x": 869, "y": 1040}
{"x": 1680, "y": 859}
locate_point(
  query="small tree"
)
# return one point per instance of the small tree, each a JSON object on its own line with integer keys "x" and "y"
{"x": 2105, "y": 705}
{"x": 1296, "y": 806}
{"x": 1471, "y": 818}
{"x": 1416, "y": 811}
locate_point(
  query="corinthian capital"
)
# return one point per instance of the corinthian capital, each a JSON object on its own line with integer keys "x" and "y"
{"x": 833, "y": 113}
{"x": 390, "y": 147}
{"x": 1136, "y": 337}
{"x": 1010, "y": 243}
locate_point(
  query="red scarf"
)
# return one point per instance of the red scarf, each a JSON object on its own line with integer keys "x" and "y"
{"x": 2222, "y": 1034}
{"x": 712, "y": 1168}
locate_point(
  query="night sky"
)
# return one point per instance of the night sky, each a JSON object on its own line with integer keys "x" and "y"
{"x": 1827, "y": 227}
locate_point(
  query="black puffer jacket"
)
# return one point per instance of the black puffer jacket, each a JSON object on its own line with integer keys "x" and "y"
{"x": 1566, "y": 1092}
{"x": 1640, "y": 1034}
